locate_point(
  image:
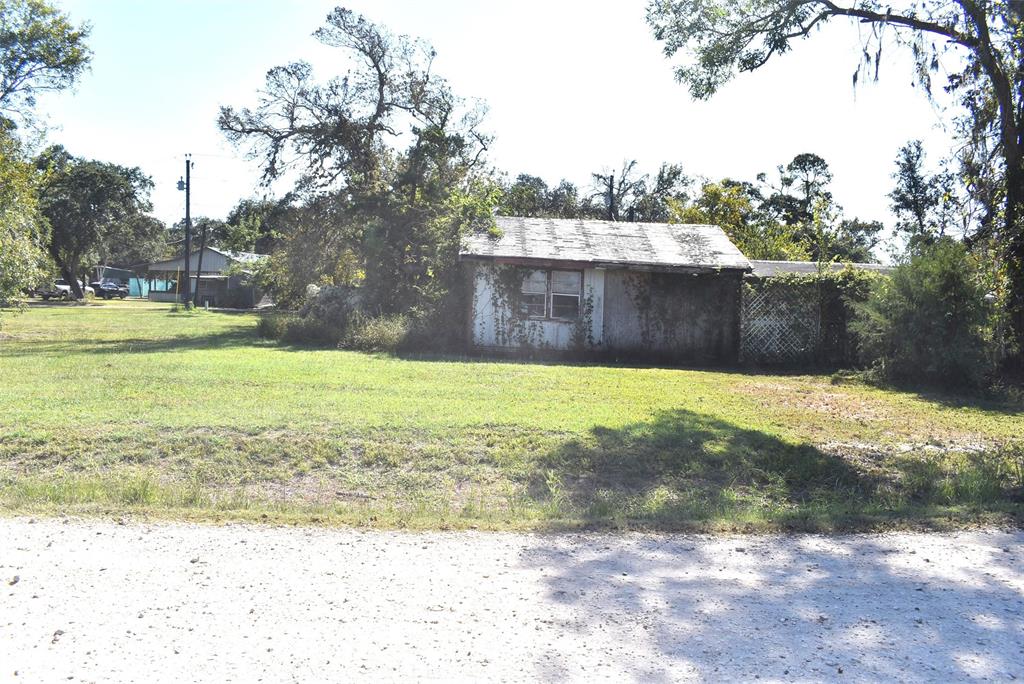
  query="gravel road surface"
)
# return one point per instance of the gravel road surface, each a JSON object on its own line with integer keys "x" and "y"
{"x": 139, "y": 602}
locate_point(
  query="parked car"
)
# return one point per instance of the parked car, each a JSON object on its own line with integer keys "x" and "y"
{"x": 108, "y": 289}
{"x": 60, "y": 289}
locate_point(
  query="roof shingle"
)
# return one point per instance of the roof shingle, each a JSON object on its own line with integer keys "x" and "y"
{"x": 642, "y": 245}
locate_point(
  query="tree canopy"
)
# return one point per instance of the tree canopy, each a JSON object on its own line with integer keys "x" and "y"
{"x": 94, "y": 210}
{"x": 386, "y": 157}
{"x": 23, "y": 233}
{"x": 736, "y": 209}
{"x": 530, "y": 196}
{"x": 40, "y": 51}
{"x": 926, "y": 204}
{"x": 255, "y": 225}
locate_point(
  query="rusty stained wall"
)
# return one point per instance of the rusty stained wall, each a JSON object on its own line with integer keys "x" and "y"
{"x": 680, "y": 316}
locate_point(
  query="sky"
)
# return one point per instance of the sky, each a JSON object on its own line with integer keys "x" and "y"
{"x": 572, "y": 87}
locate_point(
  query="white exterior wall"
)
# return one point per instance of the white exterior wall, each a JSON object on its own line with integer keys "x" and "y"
{"x": 490, "y": 316}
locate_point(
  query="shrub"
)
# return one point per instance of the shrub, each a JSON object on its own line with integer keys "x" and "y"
{"x": 382, "y": 333}
{"x": 272, "y": 326}
{"x": 299, "y": 330}
{"x": 927, "y": 322}
{"x": 322, "y": 320}
{"x": 333, "y": 316}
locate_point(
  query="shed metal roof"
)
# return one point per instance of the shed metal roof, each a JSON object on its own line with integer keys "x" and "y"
{"x": 179, "y": 262}
{"x": 768, "y": 269}
{"x": 638, "y": 245}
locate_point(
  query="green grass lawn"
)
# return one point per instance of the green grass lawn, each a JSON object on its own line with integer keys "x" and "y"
{"x": 130, "y": 406}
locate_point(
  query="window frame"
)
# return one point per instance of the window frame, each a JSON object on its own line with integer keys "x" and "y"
{"x": 549, "y": 295}
{"x": 524, "y": 307}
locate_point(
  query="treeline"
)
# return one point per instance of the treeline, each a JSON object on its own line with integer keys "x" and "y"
{"x": 791, "y": 216}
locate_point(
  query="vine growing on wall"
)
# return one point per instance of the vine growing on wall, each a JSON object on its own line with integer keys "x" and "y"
{"x": 583, "y": 328}
{"x": 659, "y": 314}
{"x": 638, "y": 288}
{"x": 514, "y": 329}
{"x": 511, "y": 328}
{"x": 831, "y": 294}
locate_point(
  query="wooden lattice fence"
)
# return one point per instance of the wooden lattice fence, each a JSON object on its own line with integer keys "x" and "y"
{"x": 780, "y": 323}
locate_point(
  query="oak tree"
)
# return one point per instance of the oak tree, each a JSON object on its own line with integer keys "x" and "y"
{"x": 385, "y": 151}
{"x": 92, "y": 207}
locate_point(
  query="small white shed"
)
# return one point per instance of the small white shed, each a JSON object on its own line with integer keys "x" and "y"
{"x": 626, "y": 288}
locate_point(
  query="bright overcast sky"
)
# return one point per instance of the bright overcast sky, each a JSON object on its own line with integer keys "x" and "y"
{"x": 573, "y": 86}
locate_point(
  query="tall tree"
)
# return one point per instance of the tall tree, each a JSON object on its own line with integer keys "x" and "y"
{"x": 632, "y": 196}
{"x": 90, "y": 206}
{"x": 984, "y": 38}
{"x": 528, "y": 196}
{"x": 926, "y": 204}
{"x": 652, "y": 197}
{"x": 22, "y": 231}
{"x": 255, "y": 225}
{"x": 916, "y": 195}
{"x": 803, "y": 182}
{"x": 137, "y": 240}
{"x": 856, "y": 240}
{"x": 216, "y": 231}
{"x": 532, "y": 197}
{"x": 40, "y": 50}
{"x": 565, "y": 201}
{"x": 400, "y": 210}
{"x": 618, "y": 193}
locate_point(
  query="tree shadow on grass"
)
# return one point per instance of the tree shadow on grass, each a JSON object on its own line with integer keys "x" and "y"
{"x": 596, "y": 360}
{"x": 223, "y": 339}
{"x": 995, "y": 405}
{"x": 683, "y": 468}
{"x": 801, "y": 608}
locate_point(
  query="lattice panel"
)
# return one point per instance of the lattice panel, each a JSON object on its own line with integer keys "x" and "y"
{"x": 780, "y": 324}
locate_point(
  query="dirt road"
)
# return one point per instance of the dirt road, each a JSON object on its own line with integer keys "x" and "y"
{"x": 99, "y": 601}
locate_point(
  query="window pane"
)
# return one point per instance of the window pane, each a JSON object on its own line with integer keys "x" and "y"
{"x": 532, "y": 305}
{"x": 566, "y": 282}
{"x": 535, "y": 282}
{"x": 565, "y": 306}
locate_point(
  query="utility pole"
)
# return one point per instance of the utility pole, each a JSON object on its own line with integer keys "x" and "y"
{"x": 186, "y": 185}
{"x": 611, "y": 197}
{"x": 199, "y": 266}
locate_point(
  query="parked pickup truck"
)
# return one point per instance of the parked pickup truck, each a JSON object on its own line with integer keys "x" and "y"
{"x": 59, "y": 289}
{"x": 108, "y": 289}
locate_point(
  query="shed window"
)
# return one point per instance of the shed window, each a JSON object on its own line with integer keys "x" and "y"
{"x": 566, "y": 288}
{"x": 552, "y": 294}
{"x": 535, "y": 294}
